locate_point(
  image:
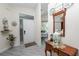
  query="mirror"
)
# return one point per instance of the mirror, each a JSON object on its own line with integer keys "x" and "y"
{"x": 59, "y": 22}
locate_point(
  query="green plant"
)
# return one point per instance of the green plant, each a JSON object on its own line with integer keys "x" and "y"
{"x": 11, "y": 37}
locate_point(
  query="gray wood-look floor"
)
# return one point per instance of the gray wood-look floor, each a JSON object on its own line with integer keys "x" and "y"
{"x": 22, "y": 51}
{"x": 29, "y": 51}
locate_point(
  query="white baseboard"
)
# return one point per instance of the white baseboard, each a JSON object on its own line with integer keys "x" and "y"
{"x": 1, "y": 51}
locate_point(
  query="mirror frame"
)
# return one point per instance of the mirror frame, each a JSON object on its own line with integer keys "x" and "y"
{"x": 63, "y": 17}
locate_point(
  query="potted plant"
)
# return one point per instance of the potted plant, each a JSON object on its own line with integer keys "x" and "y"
{"x": 11, "y": 39}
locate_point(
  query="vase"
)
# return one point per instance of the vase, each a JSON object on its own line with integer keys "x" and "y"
{"x": 11, "y": 44}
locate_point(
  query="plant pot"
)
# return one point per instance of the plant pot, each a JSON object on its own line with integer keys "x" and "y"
{"x": 11, "y": 44}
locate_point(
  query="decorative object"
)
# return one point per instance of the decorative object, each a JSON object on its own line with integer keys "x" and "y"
{"x": 60, "y": 6}
{"x": 59, "y": 21}
{"x": 14, "y": 23}
{"x": 5, "y": 32}
{"x": 5, "y": 26}
{"x": 11, "y": 39}
{"x": 67, "y": 5}
{"x": 56, "y": 39}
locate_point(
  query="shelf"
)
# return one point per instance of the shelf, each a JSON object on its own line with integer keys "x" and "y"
{"x": 5, "y": 31}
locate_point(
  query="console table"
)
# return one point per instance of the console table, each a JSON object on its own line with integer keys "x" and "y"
{"x": 67, "y": 51}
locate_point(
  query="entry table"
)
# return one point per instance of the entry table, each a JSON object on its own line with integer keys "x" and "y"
{"x": 67, "y": 51}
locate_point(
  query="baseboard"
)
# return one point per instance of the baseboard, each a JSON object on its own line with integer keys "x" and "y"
{"x": 1, "y": 51}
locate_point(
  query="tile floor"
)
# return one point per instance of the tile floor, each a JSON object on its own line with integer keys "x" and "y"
{"x": 29, "y": 51}
{"x": 22, "y": 51}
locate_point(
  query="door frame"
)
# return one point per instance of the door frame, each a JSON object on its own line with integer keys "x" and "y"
{"x": 21, "y": 17}
{"x": 21, "y": 31}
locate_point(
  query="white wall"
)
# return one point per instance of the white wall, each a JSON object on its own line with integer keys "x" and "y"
{"x": 71, "y": 26}
{"x": 12, "y": 14}
{"x": 3, "y": 42}
{"x": 50, "y": 21}
{"x": 38, "y": 25}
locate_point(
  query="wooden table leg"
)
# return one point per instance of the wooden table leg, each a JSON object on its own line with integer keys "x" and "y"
{"x": 50, "y": 53}
{"x": 46, "y": 52}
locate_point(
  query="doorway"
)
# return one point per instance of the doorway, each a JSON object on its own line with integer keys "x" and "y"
{"x": 27, "y": 28}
